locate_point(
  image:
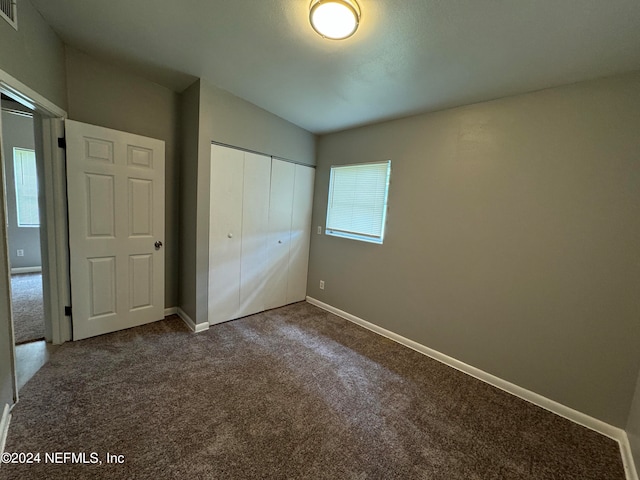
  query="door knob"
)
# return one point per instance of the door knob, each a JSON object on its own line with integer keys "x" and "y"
{"x": 230, "y": 235}
{"x": 279, "y": 241}
{"x": 158, "y": 245}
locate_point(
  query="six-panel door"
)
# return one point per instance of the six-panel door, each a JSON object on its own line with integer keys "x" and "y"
{"x": 115, "y": 187}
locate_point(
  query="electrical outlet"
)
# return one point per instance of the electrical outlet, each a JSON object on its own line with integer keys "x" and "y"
{"x": 319, "y": 230}
{"x": 21, "y": 253}
{"x": 321, "y": 284}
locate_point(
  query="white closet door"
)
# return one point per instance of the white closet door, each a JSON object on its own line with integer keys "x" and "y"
{"x": 300, "y": 233}
{"x": 255, "y": 223}
{"x": 225, "y": 233}
{"x": 280, "y": 210}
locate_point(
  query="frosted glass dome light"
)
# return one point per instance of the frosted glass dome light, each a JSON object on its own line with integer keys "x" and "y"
{"x": 334, "y": 19}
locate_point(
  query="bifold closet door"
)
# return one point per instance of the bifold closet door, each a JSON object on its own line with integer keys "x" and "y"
{"x": 225, "y": 233}
{"x": 255, "y": 220}
{"x": 260, "y": 224}
{"x": 300, "y": 234}
{"x": 280, "y": 210}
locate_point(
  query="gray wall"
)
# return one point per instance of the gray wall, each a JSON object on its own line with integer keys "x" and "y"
{"x": 34, "y": 54}
{"x": 17, "y": 131}
{"x": 103, "y": 95}
{"x": 190, "y": 119}
{"x": 633, "y": 426}
{"x": 511, "y": 242}
{"x": 227, "y": 119}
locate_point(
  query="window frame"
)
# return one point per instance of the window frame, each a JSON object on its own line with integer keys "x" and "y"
{"x": 375, "y": 239}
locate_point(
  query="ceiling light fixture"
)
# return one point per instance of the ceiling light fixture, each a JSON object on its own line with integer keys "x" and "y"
{"x": 334, "y": 19}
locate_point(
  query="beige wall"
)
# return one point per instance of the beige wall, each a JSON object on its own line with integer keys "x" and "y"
{"x": 104, "y": 95}
{"x": 511, "y": 242}
{"x": 633, "y": 426}
{"x": 34, "y": 54}
{"x": 225, "y": 118}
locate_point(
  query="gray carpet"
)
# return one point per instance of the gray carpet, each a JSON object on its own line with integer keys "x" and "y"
{"x": 293, "y": 393}
{"x": 28, "y": 312}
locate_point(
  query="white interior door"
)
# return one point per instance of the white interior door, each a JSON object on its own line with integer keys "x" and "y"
{"x": 300, "y": 233}
{"x": 280, "y": 210}
{"x": 115, "y": 184}
{"x": 255, "y": 222}
{"x": 225, "y": 233}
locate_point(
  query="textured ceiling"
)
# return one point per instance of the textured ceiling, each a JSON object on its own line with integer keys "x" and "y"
{"x": 408, "y": 56}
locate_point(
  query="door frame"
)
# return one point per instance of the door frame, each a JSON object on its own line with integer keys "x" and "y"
{"x": 58, "y": 281}
{"x": 49, "y": 121}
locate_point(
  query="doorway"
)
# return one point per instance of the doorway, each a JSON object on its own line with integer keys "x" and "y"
{"x": 23, "y": 221}
{"x": 31, "y": 197}
{"x": 21, "y": 178}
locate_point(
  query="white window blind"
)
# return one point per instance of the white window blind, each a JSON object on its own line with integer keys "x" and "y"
{"x": 357, "y": 206}
{"x": 24, "y": 169}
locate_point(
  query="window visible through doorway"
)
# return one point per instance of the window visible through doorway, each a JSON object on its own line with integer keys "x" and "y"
{"x": 24, "y": 164}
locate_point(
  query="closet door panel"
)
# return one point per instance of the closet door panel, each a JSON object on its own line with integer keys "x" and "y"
{"x": 280, "y": 210}
{"x": 300, "y": 233}
{"x": 225, "y": 233}
{"x": 255, "y": 225}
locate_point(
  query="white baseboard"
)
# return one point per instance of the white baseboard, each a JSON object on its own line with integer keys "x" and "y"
{"x": 200, "y": 327}
{"x": 575, "y": 416}
{"x": 4, "y": 427}
{"x": 170, "y": 311}
{"x": 17, "y": 270}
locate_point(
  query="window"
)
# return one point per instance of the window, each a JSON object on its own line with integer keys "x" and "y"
{"x": 24, "y": 171}
{"x": 357, "y": 206}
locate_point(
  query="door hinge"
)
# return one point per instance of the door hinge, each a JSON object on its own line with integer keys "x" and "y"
{"x": 67, "y": 311}
{"x": 62, "y": 143}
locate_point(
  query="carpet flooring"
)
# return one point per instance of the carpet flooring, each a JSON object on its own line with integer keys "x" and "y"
{"x": 292, "y": 393}
{"x": 28, "y": 312}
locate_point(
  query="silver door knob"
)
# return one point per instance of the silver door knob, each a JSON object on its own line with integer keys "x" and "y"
{"x": 158, "y": 245}
{"x": 230, "y": 235}
{"x": 279, "y": 241}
